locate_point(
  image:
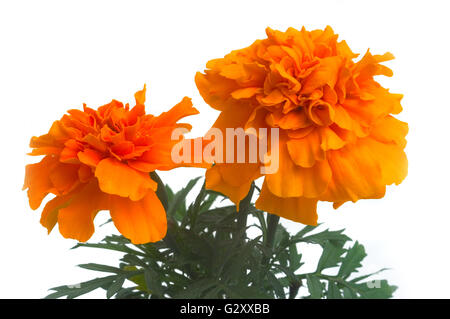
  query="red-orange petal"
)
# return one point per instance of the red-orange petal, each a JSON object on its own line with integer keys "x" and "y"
{"x": 140, "y": 221}
{"x": 117, "y": 178}
{"x": 76, "y": 220}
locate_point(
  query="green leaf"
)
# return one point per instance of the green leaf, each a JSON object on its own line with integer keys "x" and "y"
{"x": 314, "y": 286}
{"x": 110, "y": 246}
{"x": 294, "y": 258}
{"x": 377, "y": 289}
{"x": 357, "y": 279}
{"x": 333, "y": 291}
{"x": 196, "y": 288}
{"x": 72, "y": 291}
{"x": 153, "y": 283}
{"x": 281, "y": 237}
{"x": 100, "y": 267}
{"x": 326, "y": 236}
{"x": 349, "y": 293}
{"x": 246, "y": 292}
{"x": 180, "y": 197}
{"x": 304, "y": 231}
{"x": 116, "y": 285}
{"x": 352, "y": 260}
{"x": 276, "y": 285}
{"x": 331, "y": 256}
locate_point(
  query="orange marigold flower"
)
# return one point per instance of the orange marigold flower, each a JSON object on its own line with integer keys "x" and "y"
{"x": 100, "y": 160}
{"x": 338, "y": 141}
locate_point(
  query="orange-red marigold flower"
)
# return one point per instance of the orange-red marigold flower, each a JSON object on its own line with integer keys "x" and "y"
{"x": 100, "y": 160}
{"x": 338, "y": 139}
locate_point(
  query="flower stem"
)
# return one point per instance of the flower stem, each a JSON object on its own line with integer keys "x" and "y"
{"x": 161, "y": 190}
{"x": 244, "y": 206}
{"x": 272, "y": 223}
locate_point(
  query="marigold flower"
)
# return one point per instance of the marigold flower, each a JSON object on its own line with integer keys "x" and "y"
{"x": 100, "y": 160}
{"x": 338, "y": 139}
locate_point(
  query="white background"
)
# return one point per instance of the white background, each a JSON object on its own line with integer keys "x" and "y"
{"x": 55, "y": 55}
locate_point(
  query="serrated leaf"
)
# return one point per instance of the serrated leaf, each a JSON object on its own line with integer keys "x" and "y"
{"x": 357, "y": 279}
{"x": 326, "y": 236}
{"x": 331, "y": 256}
{"x": 115, "y": 286}
{"x": 304, "y": 231}
{"x": 179, "y": 197}
{"x": 110, "y": 246}
{"x": 333, "y": 291}
{"x": 377, "y": 289}
{"x": 276, "y": 285}
{"x": 196, "y": 289}
{"x": 352, "y": 260}
{"x": 100, "y": 267}
{"x": 72, "y": 291}
{"x": 246, "y": 292}
{"x": 281, "y": 236}
{"x": 294, "y": 258}
{"x": 315, "y": 287}
{"x": 349, "y": 293}
{"x": 153, "y": 283}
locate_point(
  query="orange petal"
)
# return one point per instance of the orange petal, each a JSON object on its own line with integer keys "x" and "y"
{"x": 330, "y": 140}
{"x": 389, "y": 129}
{"x": 141, "y": 221}
{"x": 392, "y": 160}
{"x": 49, "y": 216}
{"x": 76, "y": 219}
{"x": 298, "y": 209}
{"x": 140, "y": 96}
{"x": 64, "y": 177}
{"x": 37, "y": 180}
{"x": 325, "y": 73}
{"x": 305, "y": 151}
{"x": 356, "y": 174}
{"x": 85, "y": 173}
{"x": 321, "y": 113}
{"x": 89, "y": 157}
{"x": 216, "y": 89}
{"x": 292, "y": 180}
{"x": 293, "y": 120}
{"x": 117, "y": 178}
{"x": 182, "y": 109}
{"x": 95, "y": 142}
{"x": 246, "y": 93}
{"x": 236, "y": 191}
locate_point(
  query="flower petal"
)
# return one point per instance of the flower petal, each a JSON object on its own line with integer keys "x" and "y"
{"x": 117, "y": 178}
{"x": 306, "y": 151}
{"x": 356, "y": 174}
{"x": 182, "y": 109}
{"x": 219, "y": 178}
{"x": 76, "y": 219}
{"x": 140, "y": 221}
{"x": 298, "y": 209}
{"x": 37, "y": 180}
{"x": 292, "y": 180}
{"x": 49, "y": 216}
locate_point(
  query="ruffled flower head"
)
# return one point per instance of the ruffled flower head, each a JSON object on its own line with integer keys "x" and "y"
{"x": 100, "y": 160}
{"x": 338, "y": 139}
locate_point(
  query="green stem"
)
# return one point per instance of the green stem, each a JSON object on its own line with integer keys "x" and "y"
{"x": 272, "y": 223}
{"x": 244, "y": 206}
{"x": 293, "y": 290}
{"x": 196, "y": 206}
{"x": 171, "y": 224}
{"x": 161, "y": 190}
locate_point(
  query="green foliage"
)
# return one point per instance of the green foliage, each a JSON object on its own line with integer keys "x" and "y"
{"x": 207, "y": 254}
